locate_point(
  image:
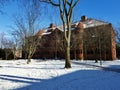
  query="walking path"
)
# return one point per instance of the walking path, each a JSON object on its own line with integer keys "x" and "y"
{"x": 103, "y": 67}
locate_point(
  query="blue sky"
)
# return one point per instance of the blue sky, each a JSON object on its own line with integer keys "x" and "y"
{"x": 106, "y": 10}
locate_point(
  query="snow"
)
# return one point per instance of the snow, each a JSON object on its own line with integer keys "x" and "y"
{"x": 46, "y": 33}
{"x": 93, "y": 22}
{"x": 51, "y": 75}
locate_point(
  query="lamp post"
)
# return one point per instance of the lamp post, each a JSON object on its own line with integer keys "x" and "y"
{"x": 85, "y": 51}
{"x": 56, "y": 45}
{"x": 100, "y": 50}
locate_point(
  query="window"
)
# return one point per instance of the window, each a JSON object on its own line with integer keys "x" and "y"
{"x": 79, "y": 51}
{"x": 89, "y": 51}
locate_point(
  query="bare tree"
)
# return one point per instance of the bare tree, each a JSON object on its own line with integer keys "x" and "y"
{"x": 2, "y": 36}
{"x": 118, "y": 35}
{"x": 118, "y": 41}
{"x": 8, "y": 45}
{"x": 15, "y": 45}
{"x": 66, "y": 8}
{"x": 2, "y": 4}
{"x": 26, "y": 27}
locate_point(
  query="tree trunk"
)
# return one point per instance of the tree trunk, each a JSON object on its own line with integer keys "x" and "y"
{"x": 6, "y": 57}
{"x": 75, "y": 53}
{"x": 85, "y": 52}
{"x": 105, "y": 53}
{"x": 29, "y": 59}
{"x": 95, "y": 56}
{"x": 67, "y": 56}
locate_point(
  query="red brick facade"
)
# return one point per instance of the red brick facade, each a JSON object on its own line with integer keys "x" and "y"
{"x": 101, "y": 45}
{"x": 90, "y": 39}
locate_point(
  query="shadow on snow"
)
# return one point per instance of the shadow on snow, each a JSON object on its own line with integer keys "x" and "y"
{"x": 78, "y": 80}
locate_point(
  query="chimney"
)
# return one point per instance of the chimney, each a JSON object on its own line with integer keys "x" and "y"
{"x": 80, "y": 25}
{"x": 40, "y": 32}
{"x": 52, "y": 25}
{"x": 83, "y": 18}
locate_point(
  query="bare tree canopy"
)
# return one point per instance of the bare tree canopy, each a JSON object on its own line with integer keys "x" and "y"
{"x": 118, "y": 35}
{"x": 26, "y": 26}
{"x": 2, "y": 3}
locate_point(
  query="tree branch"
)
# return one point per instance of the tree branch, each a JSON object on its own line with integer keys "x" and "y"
{"x": 75, "y": 3}
{"x": 50, "y": 2}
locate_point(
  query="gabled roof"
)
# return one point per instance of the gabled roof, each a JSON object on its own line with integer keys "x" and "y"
{"x": 87, "y": 23}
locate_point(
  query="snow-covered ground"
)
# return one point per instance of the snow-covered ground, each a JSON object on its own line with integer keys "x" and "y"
{"x": 51, "y": 75}
{"x": 111, "y": 64}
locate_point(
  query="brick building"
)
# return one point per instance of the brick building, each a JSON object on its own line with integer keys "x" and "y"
{"x": 90, "y": 39}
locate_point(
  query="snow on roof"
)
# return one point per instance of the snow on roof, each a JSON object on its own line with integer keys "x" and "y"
{"x": 89, "y": 22}
{"x": 93, "y": 22}
{"x": 86, "y": 24}
{"x": 46, "y": 33}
